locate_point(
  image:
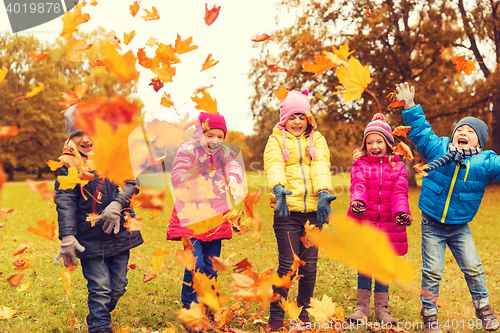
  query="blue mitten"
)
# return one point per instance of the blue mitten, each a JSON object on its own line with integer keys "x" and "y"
{"x": 281, "y": 205}
{"x": 324, "y": 200}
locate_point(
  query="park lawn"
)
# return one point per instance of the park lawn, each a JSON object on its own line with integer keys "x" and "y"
{"x": 148, "y": 307}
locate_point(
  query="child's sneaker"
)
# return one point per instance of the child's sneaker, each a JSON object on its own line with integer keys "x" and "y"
{"x": 487, "y": 316}
{"x": 431, "y": 324}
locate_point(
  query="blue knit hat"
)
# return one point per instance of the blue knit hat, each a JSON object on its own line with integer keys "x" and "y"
{"x": 478, "y": 125}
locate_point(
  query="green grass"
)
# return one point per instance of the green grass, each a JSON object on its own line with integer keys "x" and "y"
{"x": 147, "y": 307}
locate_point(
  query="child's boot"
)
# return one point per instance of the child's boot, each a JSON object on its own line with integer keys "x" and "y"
{"x": 488, "y": 318}
{"x": 431, "y": 324}
{"x": 382, "y": 308}
{"x": 275, "y": 325}
{"x": 362, "y": 306}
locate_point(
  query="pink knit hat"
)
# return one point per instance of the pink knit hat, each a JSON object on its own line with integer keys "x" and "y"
{"x": 379, "y": 125}
{"x": 215, "y": 120}
{"x": 296, "y": 102}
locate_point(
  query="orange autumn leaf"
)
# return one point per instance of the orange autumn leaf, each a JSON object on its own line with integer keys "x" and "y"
{"x": 44, "y": 188}
{"x": 209, "y": 291}
{"x": 121, "y": 65}
{"x": 72, "y": 19}
{"x": 185, "y": 257}
{"x": 165, "y": 54}
{"x": 261, "y": 38}
{"x": 354, "y": 79}
{"x": 161, "y": 251}
{"x": 21, "y": 248}
{"x": 251, "y": 200}
{"x": 75, "y": 48}
{"x": 151, "y": 41}
{"x": 151, "y": 16}
{"x": 96, "y": 63}
{"x": 134, "y": 8}
{"x": 256, "y": 224}
{"x": 209, "y": 63}
{"x": 132, "y": 223}
{"x": 54, "y": 165}
{"x": 242, "y": 266}
{"x": 182, "y": 46}
{"x": 3, "y": 73}
{"x": 148, "y": 277}
{"x": 44, "y": 229}
{"x": 166, "y": 100}
{"x": 403, "y": 149}
{"x": 94, "y": 3}
{"x": 323, "y": 64}
{"x": 205, "y": 103}
{"x": 220, "y": 264}
{"x": 132, "y": 266}
{"x": 194, "y": 317}
{"x": 463, "y": 65}
{"x": 211, "y": 14}
{"x": 271, "y": 64}
{"x": 38, "y": 56}
{"x": 396, "y": 104}
{"x": 401, "y": 131}
{"x": 341, "y": 54}
{"x": 31, "y": 93}
{"x": 156, "y": 84}
{"x": 166, "y": 133}
{"x": 420, "y": 169}
{"x": 66, "y": 280}
{"x": 143, "y": 60}
{"x": 91, "y": 217}
{"x": 73, "y": 96}
{"x": 199, "y": 90}
{"x": 23, "y": 264}
{"x": 165, "y": 72}
{"x": 280, "y": 93}
{"x": 128, "y": 37}
{"x": 15, "y": 279}
{"x": 148, "y": 199}
{"x": 6, "y": 131}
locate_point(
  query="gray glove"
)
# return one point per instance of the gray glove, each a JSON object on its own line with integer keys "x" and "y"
{"x": 111, "y": 217}
{"x": 68, "y": 246}
{"x": 405, "y": 93}
{"x": 281, "y": 206}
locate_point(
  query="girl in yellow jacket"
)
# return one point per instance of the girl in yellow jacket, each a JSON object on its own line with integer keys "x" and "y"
{"x": 297, "y": 157}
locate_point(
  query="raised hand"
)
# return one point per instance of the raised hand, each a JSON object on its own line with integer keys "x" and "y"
{"x": 405, "y": 93}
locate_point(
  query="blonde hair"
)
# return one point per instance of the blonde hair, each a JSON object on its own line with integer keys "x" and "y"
{"x": 361, "y": 152}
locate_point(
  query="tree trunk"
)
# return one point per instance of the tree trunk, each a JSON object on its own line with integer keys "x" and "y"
{"x": 495, "y": 125}
{"x": 40, "y": 176}
{"x": 10, "y": 172}
{"x": 412, "y": 182}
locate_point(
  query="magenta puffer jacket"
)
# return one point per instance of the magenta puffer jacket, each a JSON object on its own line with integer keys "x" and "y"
{"x": 384, "y": 191}
{"x": 192, "y": 159}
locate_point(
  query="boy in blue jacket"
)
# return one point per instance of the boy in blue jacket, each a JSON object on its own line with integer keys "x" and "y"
{"x": 104, "y": 248}
{"x": 458, "y": 172}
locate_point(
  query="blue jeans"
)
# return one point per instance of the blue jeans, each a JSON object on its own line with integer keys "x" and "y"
{"x": 365, "y": 283}
{"x": 202, "y": 251}
{"x": 106, "y": 282}
{"x": 435, "y": 237}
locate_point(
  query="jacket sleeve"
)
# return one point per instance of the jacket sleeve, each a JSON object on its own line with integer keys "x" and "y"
{"x": 359, "y": 185}
{"x": 232, "y": 167}
{"x": 66, "y": 206}
{"x": 421, "y": 134}
{"x": 320, "y": 166}
{"x": 399, "y": 195}
{"x": 128, "y": 191}
{"x": 274, "y": 164}
{"x": 493, "y": 167}
{"x": 181, "y": 166}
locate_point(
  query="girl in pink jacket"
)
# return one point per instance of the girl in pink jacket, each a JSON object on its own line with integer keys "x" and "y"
{"x": 379, "y": 196}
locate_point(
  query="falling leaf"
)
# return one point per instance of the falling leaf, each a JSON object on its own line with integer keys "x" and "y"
{"x": 211, "y": 15}
{"x": 3, "y": 73}
{"x": 382, "y": 263}
{"x": 72, "y": 19}
{"x": 319, "y": 96}
{"x": 6, "y": 131}
{"x": 165, "y": 72}
{"x": 420, "y": 169}
{"x": 182, "y": 46}
{"x": 161, "y": 251}
{"x": 156, "y": 84}
{"x": 166, "y": 133}
{"x": 94, "y": 3}
{"x": 151, "y": 16}
{"x": 44, "y": 188}
{"x": 261, "y": 38}
{"x": 396, "y": 104}
{"x": 325, "y": 309}
{"x": 251, "y": 200}
{"x": 148, "y": 199}
{"x": 209, "y": 291}
{"x": 91, "y": 217}
{"x": 151, "y": 41}
{"x": 208, "y": 63}
{"x": 271, "y": 64}
{"x": 185, "y": 257}
{"x": 157, "y": 264}
{"x": 194, "y": 317}
{"x": 21, "y": 248}
{"x": 401, "y": 130}
{"x": 143, "y": 60}
{"x": 132, "y": 223}
{"x": 66, "y": 280}
{"x": 280, "y": 93}
{"x": 166, "y": 100}
{"x": 7, "y": 313}
{"x": 463, "y": 65}
{"x": 367, "y": 12}
{"x": 205, "y": 103}
{"x": 23, "y": 264}
{"x": 219, "y": 264}
{"x": 403, "y": 149}
{"x": 96, "y": 63}
{"x": 323, "y": 64}
{"x": 31, "y": 93}
{"x": 38, "y": 56}
{"x": 132, "y": 266}
{"x": 256, "y": 224}
{"x": 354, "y": 79}
{"x": 291, "y": 309}
{"x": 73, "y": 97}
{"x": 44, "y": 229}
{"x": 199, "y": 90}
{"x": 148, "y": 277}
{"x": 128, "y": 37}
{"x": 75, "y": 49}
{"x": 134, "y": 8}
{"x": 242, "y": 266}
{"x": 23, "y": 287}
{"x": 121, "y": 65}
{"x": 69, "y": 181}
{"x": 342, "y": 53}
{"x": 15, "y": 279}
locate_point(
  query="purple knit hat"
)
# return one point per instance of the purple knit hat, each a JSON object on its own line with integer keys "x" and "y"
{"x": 296, "y": 102}
{"x": 379, "y": 126}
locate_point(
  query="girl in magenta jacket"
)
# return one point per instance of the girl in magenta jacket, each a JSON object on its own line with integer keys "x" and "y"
{"x": 202, "y": 170}
{"x": 379, "y": 196}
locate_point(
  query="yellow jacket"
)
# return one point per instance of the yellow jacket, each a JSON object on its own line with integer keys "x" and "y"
{"x": 300, "y": 174}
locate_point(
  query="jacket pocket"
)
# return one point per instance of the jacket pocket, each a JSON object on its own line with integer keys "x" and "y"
{"x": 427, "y": 220}
{"x": 438, "y": 189}
{"x": 469, "y": 196}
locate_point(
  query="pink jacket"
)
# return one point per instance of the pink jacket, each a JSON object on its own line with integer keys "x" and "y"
{"x": 189, "y": 156}
{"x": 384, "y": 191}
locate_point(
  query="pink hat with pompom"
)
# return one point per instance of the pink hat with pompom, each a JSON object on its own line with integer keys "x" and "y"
{"x": 379, "y": 125}
{"x": 295, "y": 102}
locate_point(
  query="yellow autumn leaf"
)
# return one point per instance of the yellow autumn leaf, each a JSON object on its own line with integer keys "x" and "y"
{"x": 372, "y": 254}
{"x": 353, "y": 79}
{"x": 36, "y": 90}
{"x": 3, "y": 73}
{"x": 7, "y": 313}
{"x": 157, "y": 264}
{"x": 24, "y": 286}
{"x": 121, "y": 65}
{"x": 71, "y": 180}
{"x": 128, "y": 37}
{"x": 342, "y": 52}
{"x": 324, "y": 309}
{"x": 209, "y": 291}
{"x": 206, "y": 103}
{"x": 66, "y": 280}
{"x": 291, "y": 309}
{"x": 151, "y": 41}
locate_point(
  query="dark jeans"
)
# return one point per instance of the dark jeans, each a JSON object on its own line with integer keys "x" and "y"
{"x": 106, "y": 282}
{"x": 202, "y": 251}
{"x": 288, "y": 231}
{"x": 365, "y": 283}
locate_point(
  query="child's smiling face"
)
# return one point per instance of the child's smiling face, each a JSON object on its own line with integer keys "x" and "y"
{"x": 83, "y": 143}
{"x": 465, "y": 137}
{"x": 375, "y": 145}
{"x": 296, "y": 124}
{"x": 213, "y": 140}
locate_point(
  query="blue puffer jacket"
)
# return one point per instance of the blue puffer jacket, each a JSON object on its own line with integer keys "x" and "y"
{"x": 72, "y": 211}
{"x": 449, "y": 194}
